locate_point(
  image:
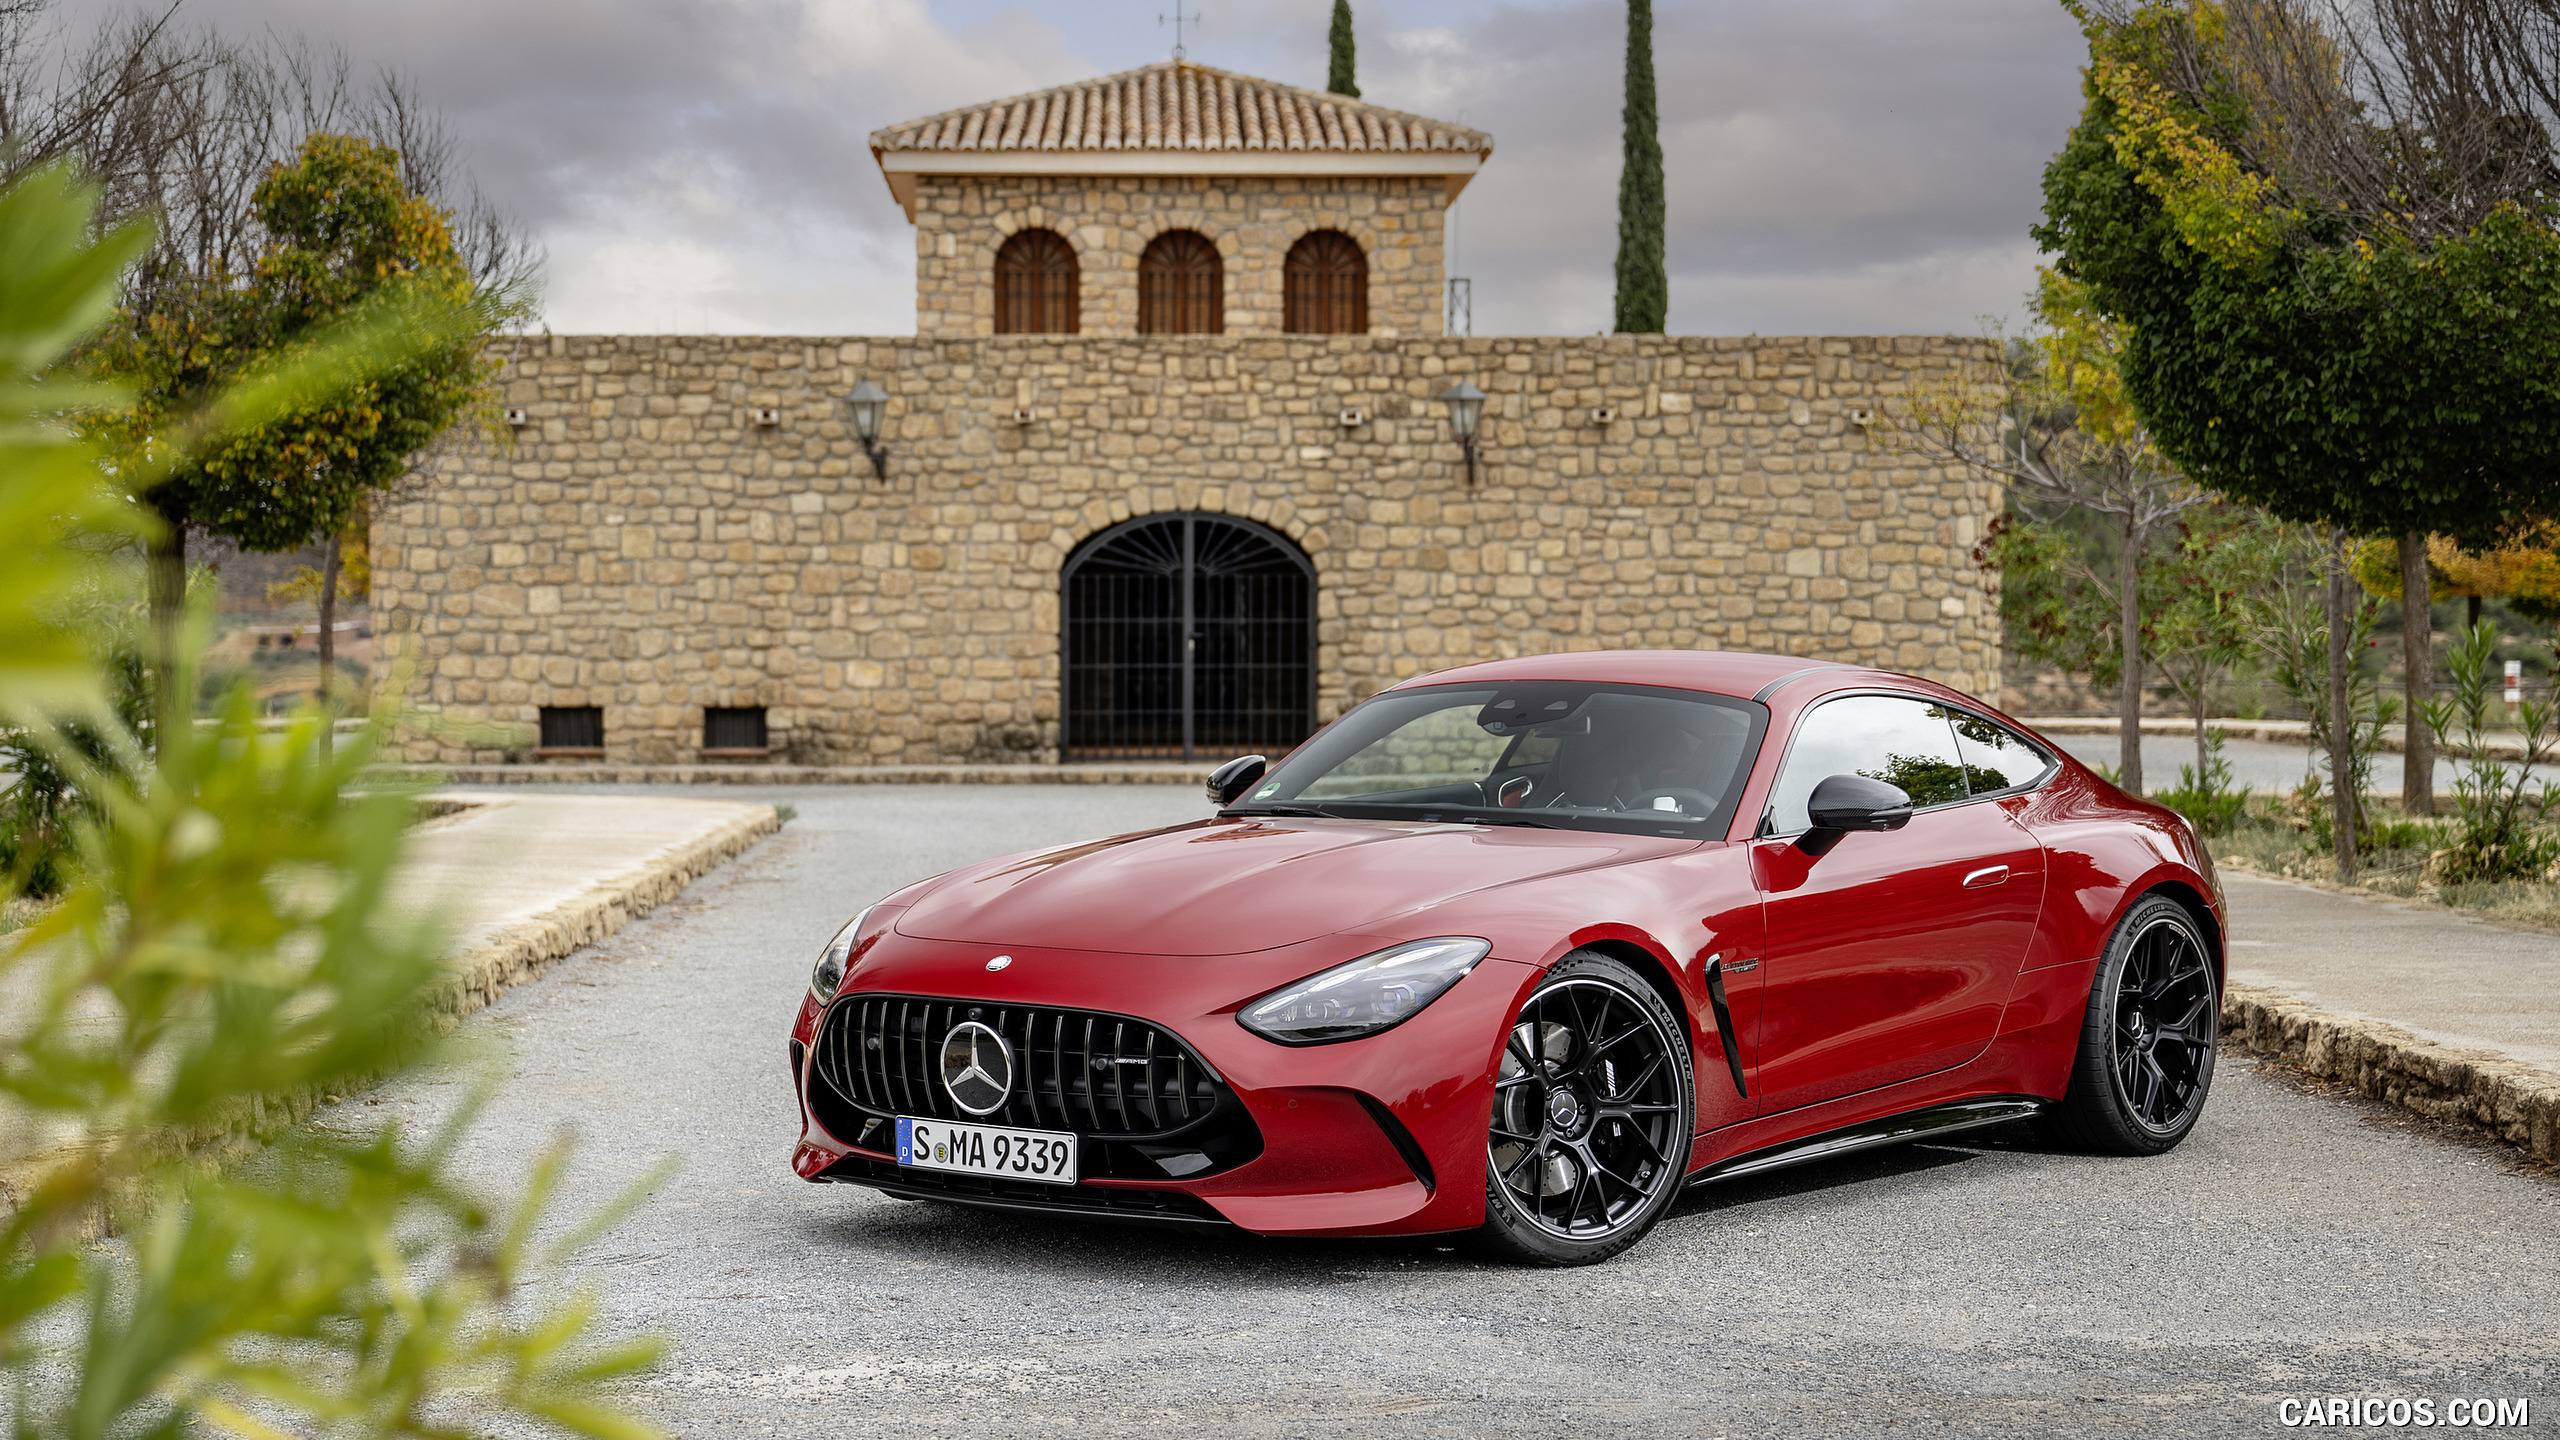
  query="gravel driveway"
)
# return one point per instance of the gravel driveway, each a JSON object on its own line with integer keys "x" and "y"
{"x": 2294, "y": 1246}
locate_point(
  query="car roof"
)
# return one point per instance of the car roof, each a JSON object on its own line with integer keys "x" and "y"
{"x": 1717, "y": 672}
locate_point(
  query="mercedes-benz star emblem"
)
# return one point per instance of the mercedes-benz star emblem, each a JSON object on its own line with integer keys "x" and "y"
{"x": 977, "y": 1068}
{"x": 999, "y": 962}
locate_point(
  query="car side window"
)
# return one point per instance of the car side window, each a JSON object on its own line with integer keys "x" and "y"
{"x": 1997, "y": 757}
{"x": 1901, "y": 741}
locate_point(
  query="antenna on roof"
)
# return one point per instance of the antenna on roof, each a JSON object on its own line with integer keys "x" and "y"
{"x": 1178, "y": 20}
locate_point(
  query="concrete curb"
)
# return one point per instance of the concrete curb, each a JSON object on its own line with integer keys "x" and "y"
{"x": 2518, "y": 1103}
{"x": 479, "y": 976}
{"x": 752, "y": 774}
{"x": 2274, "y": 732}
{"x": 525, "y": 949}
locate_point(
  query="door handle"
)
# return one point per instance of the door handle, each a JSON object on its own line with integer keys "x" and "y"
{"x": 1987, "y": 875}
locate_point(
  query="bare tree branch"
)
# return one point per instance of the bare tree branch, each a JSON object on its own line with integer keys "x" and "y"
{"x": 185, "y": 124}
{"x": 2414, "y": 118}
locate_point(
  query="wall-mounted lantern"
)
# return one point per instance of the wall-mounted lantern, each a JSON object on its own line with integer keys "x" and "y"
{"x": 866, "y": 405}
{"x": 1466, "y": 407}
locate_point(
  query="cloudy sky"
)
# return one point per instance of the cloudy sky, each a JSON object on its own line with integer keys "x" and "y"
{"x": 1835, "y": 166}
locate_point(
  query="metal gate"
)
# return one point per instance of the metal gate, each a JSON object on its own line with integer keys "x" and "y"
{"x": 1187, "y": 633}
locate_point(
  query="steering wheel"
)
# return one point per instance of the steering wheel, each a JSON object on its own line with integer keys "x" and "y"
{"x": 1694, "y": 804}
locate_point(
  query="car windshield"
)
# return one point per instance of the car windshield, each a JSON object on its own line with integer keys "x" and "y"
{"x": 1575, "y": 756}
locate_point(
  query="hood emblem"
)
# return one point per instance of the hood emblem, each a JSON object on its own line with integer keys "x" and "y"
{"x": 999, "y": 962}
{"x": 977, "y": 1068}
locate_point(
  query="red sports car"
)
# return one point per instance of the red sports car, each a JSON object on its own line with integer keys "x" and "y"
{"x": 1523, "y": 948}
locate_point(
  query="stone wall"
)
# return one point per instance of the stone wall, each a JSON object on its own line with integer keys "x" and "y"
{"x": 961, "y": 221}
{"x": 648, "y": 548}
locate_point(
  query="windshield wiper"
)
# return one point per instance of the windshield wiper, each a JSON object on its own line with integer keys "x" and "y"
{"x": 1513, "y": 820}
{"x": 1280, "y": 810}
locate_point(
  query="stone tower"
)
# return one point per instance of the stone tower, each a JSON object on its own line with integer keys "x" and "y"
{"x": 1067, "y": 197}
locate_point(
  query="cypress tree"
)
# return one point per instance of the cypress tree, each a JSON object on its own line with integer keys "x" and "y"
{"x": 1644, "y": 289}
{"x": 1338, "y": 79}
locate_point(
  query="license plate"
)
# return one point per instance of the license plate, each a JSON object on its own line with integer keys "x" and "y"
{"x": 1047, "y": 1156}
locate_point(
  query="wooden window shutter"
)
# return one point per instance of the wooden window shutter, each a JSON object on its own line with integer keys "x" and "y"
{"x": 1182, "y": 286}
{"x": 1036, "y": 276}
{"x": 1325, "y": 286}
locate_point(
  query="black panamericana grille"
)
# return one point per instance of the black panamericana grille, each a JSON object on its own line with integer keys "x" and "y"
{"x": 1107, "y": 1077}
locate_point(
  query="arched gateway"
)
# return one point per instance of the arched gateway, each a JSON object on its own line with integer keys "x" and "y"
{"x": 1186, "y": 634}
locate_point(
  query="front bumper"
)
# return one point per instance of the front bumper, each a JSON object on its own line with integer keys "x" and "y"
{"x": 1379, "y": 1136}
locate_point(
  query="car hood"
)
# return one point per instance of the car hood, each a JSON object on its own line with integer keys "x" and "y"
{"x": 1226, "y": 887}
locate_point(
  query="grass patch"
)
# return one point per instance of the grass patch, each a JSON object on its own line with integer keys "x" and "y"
{"x": 2265, "y": 840}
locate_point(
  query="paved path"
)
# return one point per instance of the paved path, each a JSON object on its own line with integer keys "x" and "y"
{"x": 514, "y": 854}
{"x": 2295, "y": 1245}
{"x": 2434, "y": 972}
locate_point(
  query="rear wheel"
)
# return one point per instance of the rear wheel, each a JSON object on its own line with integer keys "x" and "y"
{"x": 2147, "y": 1039}
{"x": 1592, "y": 1116}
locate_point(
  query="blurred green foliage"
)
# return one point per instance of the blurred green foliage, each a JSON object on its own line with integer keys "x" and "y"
{"x": 221, "y": 959}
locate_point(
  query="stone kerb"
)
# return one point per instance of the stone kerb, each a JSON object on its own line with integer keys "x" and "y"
{"x": 2514, "y": 1101}
{"x": 648, "y": 547}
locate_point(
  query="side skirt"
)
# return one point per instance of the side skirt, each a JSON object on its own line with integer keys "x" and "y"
{"x": 1922, "y": 1124}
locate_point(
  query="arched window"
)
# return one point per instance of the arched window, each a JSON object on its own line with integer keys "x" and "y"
{"x": 1182, "y": 286}
{"x": 1036, "y": 285}
{"x": 1325, "y": 286}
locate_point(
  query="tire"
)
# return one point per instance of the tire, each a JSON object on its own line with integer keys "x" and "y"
{"x": 2145, "y": 1063}
{"x": 1594, "y": 1109}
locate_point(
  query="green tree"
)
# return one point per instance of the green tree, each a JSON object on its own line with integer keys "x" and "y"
{"x": 2055, "y": 609}
{"x": 225, "y": 954}
{"x": 2205, "y": 622}
{"x": 2334, "y": 364}
{"x": 1343, "y": 54}
{"x": 345, "y": 241}
{"x": 1644, "y": 285}
{"x": 2053, "y": 425}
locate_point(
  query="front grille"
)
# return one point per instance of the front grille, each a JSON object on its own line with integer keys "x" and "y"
{"x": 1142, "y": 1104}
{"x": 1105, "y": 1076}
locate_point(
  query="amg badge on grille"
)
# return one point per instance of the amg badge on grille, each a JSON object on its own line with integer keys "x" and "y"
{"x": 977, "y": 1067}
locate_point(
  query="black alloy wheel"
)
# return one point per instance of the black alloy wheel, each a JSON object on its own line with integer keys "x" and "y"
{"x": 2147, "y": 1040}
{"x": 1592, "y": 1111}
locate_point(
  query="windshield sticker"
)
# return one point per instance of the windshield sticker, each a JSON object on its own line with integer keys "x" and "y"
{"x": 1267, "y": 791}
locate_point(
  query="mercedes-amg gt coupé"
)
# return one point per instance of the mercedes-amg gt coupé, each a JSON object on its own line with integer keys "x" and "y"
{"x": 1523, "y": 948}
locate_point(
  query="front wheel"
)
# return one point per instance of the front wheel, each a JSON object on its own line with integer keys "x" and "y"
{"x": 2147, "y": 1038}
{"x": 1593, "y": 1109}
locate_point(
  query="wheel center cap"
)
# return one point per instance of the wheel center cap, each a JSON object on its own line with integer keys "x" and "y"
{"x": 1564, "y": 1109}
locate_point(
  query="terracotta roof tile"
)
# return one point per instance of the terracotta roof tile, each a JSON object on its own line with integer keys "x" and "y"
{"x": 1176, "y": 105}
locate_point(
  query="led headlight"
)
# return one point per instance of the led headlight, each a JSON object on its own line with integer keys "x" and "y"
{"x": 830, "y": 971}
{"x": 1370, "y": 994}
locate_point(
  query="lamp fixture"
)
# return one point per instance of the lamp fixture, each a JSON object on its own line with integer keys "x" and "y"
{"x": 1603, "y": 414}
{"x": 1466, "y": 407}
{"x": 866, "y": 405}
